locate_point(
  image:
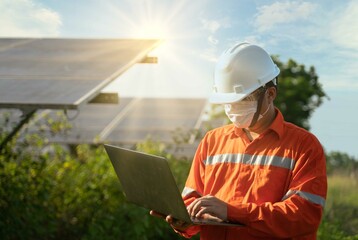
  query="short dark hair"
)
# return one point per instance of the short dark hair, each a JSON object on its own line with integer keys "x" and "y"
{"x": 272, "y": 83}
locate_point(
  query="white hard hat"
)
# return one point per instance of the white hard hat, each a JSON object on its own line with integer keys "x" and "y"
{"x": 241, "y": 70}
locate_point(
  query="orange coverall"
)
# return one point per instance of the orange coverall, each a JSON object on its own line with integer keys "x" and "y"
{"x": 276, "y": 185}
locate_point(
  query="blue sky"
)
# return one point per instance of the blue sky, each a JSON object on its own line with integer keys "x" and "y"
{"x": 322, "y": 33}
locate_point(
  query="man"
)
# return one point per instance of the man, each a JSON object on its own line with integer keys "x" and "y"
{"x": 260, "y": 171}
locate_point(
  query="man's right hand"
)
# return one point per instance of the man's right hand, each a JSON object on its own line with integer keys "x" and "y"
{"x": 178, "y": 225}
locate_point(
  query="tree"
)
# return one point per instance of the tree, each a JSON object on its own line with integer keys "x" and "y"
{"x": 340, "y": 161}
{"x": 299, "y": 92}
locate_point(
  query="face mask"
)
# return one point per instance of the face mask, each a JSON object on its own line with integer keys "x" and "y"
{"x": 242, "y": 113}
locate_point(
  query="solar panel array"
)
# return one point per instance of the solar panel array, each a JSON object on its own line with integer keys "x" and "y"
{"x": 50, "y": 74}
{"x": 63, "y": 73}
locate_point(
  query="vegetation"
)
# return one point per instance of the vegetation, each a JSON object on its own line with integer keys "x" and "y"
{"x": 62, "y": 196}
{"x": 342, "y": 164}
{"x": 340, "y": 220}
{"x": 299, "y": 92}
{"x": 340, "y": 217}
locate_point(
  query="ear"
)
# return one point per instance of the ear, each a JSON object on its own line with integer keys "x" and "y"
{"x": 271, "y": 94}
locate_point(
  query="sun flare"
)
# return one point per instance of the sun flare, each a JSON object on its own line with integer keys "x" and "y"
{"x": 178, "y": 64}
{"x": 153, "y": 30}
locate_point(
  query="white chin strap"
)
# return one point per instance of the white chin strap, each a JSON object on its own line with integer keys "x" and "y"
{"x": 262, "y": 115}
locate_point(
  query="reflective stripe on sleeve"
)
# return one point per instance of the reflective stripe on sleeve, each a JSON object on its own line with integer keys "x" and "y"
{"x": 308, "y": 196}
{"x": 276, "y": 161}
{"x": 187, "y": 191}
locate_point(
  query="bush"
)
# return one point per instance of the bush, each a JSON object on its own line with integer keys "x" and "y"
{"x": 64, "y": 196}
{"x": 341, "y": 210}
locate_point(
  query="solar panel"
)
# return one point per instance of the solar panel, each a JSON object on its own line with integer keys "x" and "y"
{"x": 63, "y": 73}
{"x": 132, "y": 120}
{"x": 158, "y": 118}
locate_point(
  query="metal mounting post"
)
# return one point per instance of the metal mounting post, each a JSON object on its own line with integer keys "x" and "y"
{"x": 27, "y": 113}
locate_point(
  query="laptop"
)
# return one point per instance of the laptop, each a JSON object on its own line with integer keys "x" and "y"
{"x": 147, "y": 181}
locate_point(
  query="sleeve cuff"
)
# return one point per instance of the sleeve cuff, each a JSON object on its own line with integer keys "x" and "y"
{"x": 189, "y": 232}
{"x": 238, "y": 213}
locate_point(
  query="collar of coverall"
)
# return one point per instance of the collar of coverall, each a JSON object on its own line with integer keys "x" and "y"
{"x": 276, "y": 126}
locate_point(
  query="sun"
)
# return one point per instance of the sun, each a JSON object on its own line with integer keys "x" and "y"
{"x": 152, "y": 30}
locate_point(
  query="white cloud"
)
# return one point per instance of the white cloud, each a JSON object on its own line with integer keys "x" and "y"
{"x": 214, "y": 25}
{"x": 282, "y": 12}
{"x": 211, "y": 25}
{"x": 212, "y": 40}
{"x": 344, "y": 28}
{"x": 25, "y": 18}
{"x": 209, "y": 54}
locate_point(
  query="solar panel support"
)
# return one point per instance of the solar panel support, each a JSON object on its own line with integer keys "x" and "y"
{"x": 27, "y": 114}
{"x": 150, "y": 60}
{"x": 106, "y": 97}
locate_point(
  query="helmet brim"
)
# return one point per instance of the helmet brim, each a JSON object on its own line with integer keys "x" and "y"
{"x": 222, "y": 98}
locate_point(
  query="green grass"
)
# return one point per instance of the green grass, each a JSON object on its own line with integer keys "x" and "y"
{"x": 340, "y": 219}
{"x": 343, "y": 189}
